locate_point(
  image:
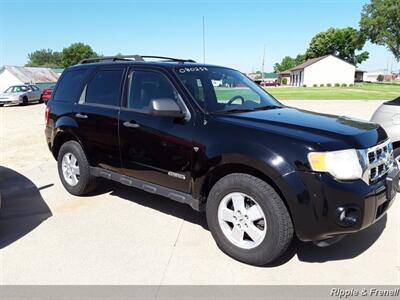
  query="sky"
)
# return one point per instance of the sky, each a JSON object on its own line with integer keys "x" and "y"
{"x": 236, "y": 31}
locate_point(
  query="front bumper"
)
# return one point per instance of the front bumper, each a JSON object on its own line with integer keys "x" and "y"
{"x": 10, "y": 101}
{"x": 317, "y": 199}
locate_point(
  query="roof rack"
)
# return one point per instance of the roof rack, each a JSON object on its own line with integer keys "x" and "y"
{"x": 134, "y": 57}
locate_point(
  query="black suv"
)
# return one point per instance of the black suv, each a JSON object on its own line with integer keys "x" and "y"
{"x": 209, "y": 137}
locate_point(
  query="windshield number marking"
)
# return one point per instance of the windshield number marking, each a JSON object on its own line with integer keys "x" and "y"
{"x": 194, "y": 69}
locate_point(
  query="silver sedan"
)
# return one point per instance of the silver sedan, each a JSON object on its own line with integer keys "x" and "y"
{"x": 388, "y": 116}
{"x": 20, "y": 94}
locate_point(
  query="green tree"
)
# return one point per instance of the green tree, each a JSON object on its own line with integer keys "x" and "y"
{"x": 380, "y": 23}
{"x": 44, "y": 58}
{"x": 341, "y": 42}
{"x": 75, "y": 53}
{"x": 289, "y": 62}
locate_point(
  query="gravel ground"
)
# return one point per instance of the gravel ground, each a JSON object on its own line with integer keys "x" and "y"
{"x": 124, "y": 236}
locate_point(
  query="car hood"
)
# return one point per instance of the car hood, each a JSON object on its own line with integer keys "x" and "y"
{"x": 326, "y": 131}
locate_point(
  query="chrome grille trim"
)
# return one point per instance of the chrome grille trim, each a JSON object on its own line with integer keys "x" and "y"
{"x": 376, "y": 161}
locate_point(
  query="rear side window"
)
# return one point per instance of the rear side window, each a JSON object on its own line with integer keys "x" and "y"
{"x": 105, "y": 88}
{"x": 70, "y": 86}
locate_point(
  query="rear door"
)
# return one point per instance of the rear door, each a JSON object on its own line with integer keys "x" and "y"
{"x": 156, "y": 149}
{"x": 96, "y": 113}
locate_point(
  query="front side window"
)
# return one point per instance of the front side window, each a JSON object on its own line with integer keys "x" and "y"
{"x": 145, "y": 86}
{"x": 105, "y": 87}
{"x": 219, "y": 89}
{"x": 19, "y": 89}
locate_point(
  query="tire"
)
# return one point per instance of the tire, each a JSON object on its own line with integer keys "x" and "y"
{"x": 25, "y": 100}
{"x": 396, "y": 154}
{"x": 1, "y": 104}
{"x": 278, "y": 230}
{"x": 85, "y": 181}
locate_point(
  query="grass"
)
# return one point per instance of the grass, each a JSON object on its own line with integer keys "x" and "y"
{"x": 366, "y": 91}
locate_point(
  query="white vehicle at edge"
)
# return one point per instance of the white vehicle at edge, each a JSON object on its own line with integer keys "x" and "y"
{"x": 20, "y": 94}
{"x": 388, "y": 116}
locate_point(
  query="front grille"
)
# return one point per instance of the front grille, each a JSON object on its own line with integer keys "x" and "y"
{"x": 380, "y": 159}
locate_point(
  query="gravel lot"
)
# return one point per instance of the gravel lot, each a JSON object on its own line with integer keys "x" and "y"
{"x": 125, "y": 236}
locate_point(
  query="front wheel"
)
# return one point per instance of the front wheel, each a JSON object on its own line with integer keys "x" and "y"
{"x": 74, "y": 169}
{"x": 248, "y": 219}
{"x": 25, "y": 100}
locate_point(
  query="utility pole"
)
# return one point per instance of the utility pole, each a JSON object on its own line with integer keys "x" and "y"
{"x": 262, "y": 66}
{"x": 204, "y": 42}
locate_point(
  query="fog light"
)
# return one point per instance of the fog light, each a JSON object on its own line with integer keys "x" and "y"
{"x": 348, "y": 216}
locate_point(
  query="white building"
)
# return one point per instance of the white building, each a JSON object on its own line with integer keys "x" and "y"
{"x": 12, "y": 75}
{"x": 325, "y": 70}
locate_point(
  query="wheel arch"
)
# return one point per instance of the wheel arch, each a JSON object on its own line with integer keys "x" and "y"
{"x": 61, "y": 137}
{"x": 223, "y": 170}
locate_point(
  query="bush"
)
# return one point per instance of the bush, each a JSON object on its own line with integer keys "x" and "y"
{"x": 329, "y": 85}
{"x": 284, "y": 80}
{"x": 322, "y": 85}
{"x": 351, "y": 84}
{"x": 304, "y": 85}
{"x": 344, "y": 85}
{"x": 380, "y": 78}
{"x": 315, "y": 85}
{"x": 337, "y": 84}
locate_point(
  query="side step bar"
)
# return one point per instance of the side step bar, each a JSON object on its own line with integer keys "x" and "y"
{"x": 149, "y": 187}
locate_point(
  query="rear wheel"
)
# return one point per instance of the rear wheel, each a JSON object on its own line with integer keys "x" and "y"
{"x": 74, "y": 169}
{"x": 248, "y": 219}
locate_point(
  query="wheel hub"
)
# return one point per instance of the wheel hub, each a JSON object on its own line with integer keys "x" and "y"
{"x": 70, "y": 169}
{"x": 242, "y": 220}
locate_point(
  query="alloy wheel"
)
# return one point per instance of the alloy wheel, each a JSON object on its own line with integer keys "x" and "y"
{"x": 70, "y": 169}
{"x": 242, "y": 220}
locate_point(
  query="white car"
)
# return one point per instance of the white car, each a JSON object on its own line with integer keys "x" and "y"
{"x": 388, "y": 116}
{"x": 20, "y": 94}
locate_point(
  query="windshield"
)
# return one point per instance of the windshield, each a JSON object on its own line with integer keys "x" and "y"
{"x": 16, "y": 89}
{"x": 221, "y": 90}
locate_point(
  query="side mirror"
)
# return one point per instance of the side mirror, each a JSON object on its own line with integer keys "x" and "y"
{"x": 166, "y": 107}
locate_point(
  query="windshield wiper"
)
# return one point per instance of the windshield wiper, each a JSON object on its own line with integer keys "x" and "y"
{"x": 234, "y": 110}
{"x": 266, "y": 107}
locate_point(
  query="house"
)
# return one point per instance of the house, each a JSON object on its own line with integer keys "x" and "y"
{"x": 285, "y": 74}
{"x": 258, "y": 78}
{"x": 360, "y": 75}
{"x": 373, "y": 76}
{"x": 325, "y": 70}
{"x": 13, "y": 75}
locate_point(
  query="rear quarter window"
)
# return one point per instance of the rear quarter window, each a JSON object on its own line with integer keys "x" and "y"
{"x": 70, "y": 86}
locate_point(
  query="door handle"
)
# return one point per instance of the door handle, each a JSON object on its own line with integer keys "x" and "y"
{"x": 81, "y": 116}
{"x": 131, "y": 125}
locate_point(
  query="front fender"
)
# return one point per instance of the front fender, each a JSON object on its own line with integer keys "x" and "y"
{"x": 394, "y": 133}
{"x": 252, "y": 156}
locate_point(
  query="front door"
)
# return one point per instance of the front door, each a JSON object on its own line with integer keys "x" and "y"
{"x": 156, "y": 149}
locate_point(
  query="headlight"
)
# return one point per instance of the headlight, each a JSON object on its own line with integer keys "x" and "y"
{"x": 343, "y": 164}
